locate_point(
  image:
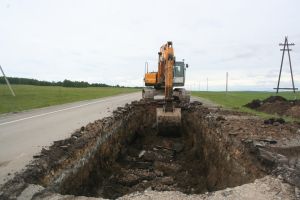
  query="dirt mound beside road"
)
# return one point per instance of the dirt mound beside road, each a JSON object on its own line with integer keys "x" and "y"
{"x": 273, "y": 99}
{"x": 276, "y": 105}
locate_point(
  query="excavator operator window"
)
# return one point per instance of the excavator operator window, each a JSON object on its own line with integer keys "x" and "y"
{"x": 179, "y": 69}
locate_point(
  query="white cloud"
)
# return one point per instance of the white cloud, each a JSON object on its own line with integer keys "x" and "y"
{"x": 109, "y": 41}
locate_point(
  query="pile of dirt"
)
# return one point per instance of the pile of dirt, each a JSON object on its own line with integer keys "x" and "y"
{"x": 276, "y": 105}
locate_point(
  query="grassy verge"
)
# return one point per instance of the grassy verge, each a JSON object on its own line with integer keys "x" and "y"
{"x": 236, "y": 100}
{"x": 28, "y": 97}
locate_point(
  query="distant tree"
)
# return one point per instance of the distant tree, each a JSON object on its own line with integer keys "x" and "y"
{"x": 65, "y": 83}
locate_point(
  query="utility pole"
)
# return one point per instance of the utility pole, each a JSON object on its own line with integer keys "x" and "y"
{"x": 207, "y": 84}
{"x": 7, "y": 82}
{"x": 226, "y": 82}
{"x": 146, "y": 67}
{"x": 286, "y": 47}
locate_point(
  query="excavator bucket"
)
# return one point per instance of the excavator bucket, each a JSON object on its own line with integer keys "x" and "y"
{"x": 168, "y": 123}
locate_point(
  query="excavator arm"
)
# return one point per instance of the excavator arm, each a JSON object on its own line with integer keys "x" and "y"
{"x": 168, "y": 117}
{"x": 165, "y": 72}
{"x": 169, "y": 65}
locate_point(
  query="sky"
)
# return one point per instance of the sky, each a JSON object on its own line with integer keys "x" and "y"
{"x": 109, "y": 41}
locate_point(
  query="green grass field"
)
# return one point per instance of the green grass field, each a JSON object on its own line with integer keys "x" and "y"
{"x": 236, "y": 100}
{"x": 28, "y": 96}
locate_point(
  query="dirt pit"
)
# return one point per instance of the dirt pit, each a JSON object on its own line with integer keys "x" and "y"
{"x": 123, "y": 154}
{"x": 200, "y": 160}
{"x": 162, "y": 164}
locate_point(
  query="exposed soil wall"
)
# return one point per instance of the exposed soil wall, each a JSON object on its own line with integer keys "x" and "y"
{"x": 115, "y": 134}
{"x": 227, "y": 163}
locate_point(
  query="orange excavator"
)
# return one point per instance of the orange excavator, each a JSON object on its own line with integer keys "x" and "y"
{"x": 170, "y": 74}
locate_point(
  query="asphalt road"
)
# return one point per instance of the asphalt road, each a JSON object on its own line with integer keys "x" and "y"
{"x": 24, "y": 134}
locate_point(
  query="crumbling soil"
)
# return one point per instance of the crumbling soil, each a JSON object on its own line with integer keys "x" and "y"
{"x": 122, "y": 154}
{"x": 277, "y": 105}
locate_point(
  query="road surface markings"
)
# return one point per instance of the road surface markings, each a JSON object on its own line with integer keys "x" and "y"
{"x": 56, "y": 111}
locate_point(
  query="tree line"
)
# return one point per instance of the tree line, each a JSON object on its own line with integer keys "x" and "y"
{"x": 65, "y": 83}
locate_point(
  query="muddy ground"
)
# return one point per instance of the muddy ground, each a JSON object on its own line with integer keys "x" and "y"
{"x": 277, "y": 105}
{"x": 122, "y": 155}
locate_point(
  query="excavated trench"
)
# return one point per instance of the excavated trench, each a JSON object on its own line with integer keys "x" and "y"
{"x": 135, "y": 158}
{"x": 123, "y": 154}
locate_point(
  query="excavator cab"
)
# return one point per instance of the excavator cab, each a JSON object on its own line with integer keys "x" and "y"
{"x": 179, "y": 74}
